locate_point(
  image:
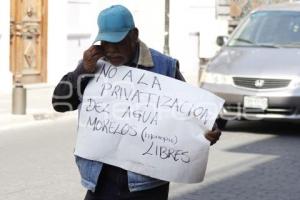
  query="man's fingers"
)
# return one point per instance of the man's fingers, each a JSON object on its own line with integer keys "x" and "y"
{"x": 96, "y": 52}
{"x": 93, "y": 53}
{"x": 96, "y": 56}
{"x": 209, "y": 137}
{"x": 91, "y": 56}
{"x": 96, "y": 49}
{"x": 213, "y": 136}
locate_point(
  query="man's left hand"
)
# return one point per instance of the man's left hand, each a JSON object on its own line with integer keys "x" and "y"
{"x": 214, "y": 135}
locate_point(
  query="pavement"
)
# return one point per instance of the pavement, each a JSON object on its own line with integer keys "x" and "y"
{"x": 38, "y": 107}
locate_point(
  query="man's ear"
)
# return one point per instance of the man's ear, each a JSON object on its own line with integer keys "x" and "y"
{"x": 135, "y": 34}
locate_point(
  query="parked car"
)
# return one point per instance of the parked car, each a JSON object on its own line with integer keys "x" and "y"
{"x": 257, "y": 71}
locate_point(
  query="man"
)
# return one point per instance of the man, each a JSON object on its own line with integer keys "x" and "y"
{"x": 120, "y": 45}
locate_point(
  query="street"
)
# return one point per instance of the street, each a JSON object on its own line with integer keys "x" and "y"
{"x": 253, "y": 160}
{"x": 37, "y": 162}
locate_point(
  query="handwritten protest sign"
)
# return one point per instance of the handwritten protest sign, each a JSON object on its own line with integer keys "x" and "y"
{"x": 146, "y": 123}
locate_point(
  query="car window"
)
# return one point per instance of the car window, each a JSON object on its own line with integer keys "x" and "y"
{"x": 277, "y": 28}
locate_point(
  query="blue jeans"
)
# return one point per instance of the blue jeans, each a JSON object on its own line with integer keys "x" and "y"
{"x": 114, "y": 186}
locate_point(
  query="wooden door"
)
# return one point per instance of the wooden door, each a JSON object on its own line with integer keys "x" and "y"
{"x": 28, "y": 40}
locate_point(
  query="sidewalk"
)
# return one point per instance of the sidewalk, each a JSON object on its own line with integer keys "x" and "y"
{"x": 38, "y": 107}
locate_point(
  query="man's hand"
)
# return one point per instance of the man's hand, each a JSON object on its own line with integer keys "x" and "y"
{"x": 214, "y": 135}
{"x": 90, "y": 58}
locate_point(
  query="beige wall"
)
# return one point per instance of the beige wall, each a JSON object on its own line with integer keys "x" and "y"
{"x": 5, "y": 75}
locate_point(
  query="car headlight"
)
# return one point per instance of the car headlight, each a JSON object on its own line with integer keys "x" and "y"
{"x": 217, "y": 78}
{"x": 296, "y": 82}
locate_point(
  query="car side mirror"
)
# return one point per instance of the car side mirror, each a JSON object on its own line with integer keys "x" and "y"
{"x": 221, "y": 40}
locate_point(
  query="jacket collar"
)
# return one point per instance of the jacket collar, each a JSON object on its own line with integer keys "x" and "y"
{"x": 143, "y": 56}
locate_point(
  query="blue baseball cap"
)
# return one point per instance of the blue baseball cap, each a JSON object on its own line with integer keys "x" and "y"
{"x": 114, "y": 24}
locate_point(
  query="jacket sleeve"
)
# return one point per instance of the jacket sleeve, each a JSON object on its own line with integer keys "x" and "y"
{"x": 68, "y": 92}
{"x": 178, "y": 74}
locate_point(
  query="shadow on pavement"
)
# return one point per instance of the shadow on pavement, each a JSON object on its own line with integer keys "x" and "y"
{"x": 265, "y": 127}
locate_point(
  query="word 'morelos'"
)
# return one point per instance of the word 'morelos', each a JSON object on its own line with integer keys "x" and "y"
{"x": 110, "y": 127}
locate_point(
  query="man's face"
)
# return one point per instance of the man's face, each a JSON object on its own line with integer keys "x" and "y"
{"x": 122, "y": 52}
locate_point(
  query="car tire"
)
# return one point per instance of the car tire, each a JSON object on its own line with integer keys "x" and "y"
{"x": 221, "y": 123}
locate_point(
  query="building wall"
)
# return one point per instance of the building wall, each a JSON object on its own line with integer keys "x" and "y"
{"x": 5, "y": 75}
{"x": 57, "y": 37}
{"x": 72, "y": 27}
{"x": 186, "y": 19}
{"x": 79, "y": 30}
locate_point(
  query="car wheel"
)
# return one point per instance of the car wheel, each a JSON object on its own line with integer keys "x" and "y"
{"x": 221, "y": 123}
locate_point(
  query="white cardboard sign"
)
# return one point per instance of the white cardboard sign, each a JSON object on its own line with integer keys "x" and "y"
{"x": 146, "y": 123}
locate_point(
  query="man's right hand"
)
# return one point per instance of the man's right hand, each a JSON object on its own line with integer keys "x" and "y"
{"x": 91, "y": 56}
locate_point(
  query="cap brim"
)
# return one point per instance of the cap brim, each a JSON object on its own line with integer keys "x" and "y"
{"x": 113, "y": 37}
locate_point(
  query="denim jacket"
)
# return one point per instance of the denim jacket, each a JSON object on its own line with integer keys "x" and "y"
{"x": 148, "y": 59}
